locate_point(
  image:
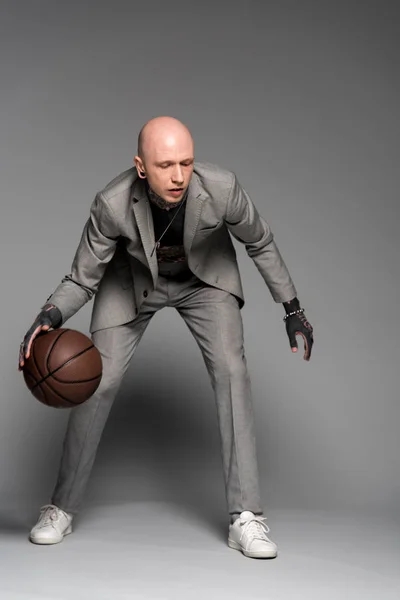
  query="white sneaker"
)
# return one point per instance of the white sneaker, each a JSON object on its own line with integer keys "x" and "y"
{"x": 249, "y": 535}
{"x": 52, "y": 525}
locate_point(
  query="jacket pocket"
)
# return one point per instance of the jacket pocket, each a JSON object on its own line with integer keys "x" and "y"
{"x": 208, "y": 228}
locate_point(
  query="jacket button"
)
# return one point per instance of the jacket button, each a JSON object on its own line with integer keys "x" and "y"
{"x": 145, "y": 293}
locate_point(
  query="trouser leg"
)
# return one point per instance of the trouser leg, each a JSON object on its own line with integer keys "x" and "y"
{"x": 87, "y": 421}
{"x": 213, "y": 317}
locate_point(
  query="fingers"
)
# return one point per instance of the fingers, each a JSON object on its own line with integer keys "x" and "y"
{"x": 307, "y": 335}
{"x": 21, "y": 357}
{"x": 307, "y": 345}
{"x": 32, "y": 337}
{"x": 293, "y": 341}
{"x": 26, "y": 345}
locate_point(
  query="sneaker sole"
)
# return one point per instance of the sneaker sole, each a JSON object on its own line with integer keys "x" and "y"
{"x": 46, "y": 541}
{"x": 259, "y": 554}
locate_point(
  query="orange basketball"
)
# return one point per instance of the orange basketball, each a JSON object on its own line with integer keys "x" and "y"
{"x": 64, "y": 368}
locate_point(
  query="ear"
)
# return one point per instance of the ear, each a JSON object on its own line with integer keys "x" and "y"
{"x": 139, "y": 166}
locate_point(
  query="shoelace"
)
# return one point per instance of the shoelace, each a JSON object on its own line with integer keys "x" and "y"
{"x": 50, "y": 514}
{"x": 256, "y": 527}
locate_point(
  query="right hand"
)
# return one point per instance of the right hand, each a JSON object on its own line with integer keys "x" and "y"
{"x": 50, "y": 316}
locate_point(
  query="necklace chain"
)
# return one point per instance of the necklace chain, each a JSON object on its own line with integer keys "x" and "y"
{"x": 156, "y": 199}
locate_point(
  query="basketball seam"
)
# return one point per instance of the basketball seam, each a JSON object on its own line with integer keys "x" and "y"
{"x": 60, "y": 396}
{"x": 44, "y": 379}
{"x": 63, "y": 365}
{"x": 48, "y": 353}
{"x": 68, "y": 361}
{"x": 40, "y": 373}
{"x": 52, "y": 348}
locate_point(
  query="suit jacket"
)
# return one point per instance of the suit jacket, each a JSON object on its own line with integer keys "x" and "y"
{"x": 113, "y": 261}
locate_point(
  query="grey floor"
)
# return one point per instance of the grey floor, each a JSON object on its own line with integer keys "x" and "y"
{"x": 152, "y": 550}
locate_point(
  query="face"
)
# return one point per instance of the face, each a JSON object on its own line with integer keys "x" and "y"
{"x": 168, "y": 164}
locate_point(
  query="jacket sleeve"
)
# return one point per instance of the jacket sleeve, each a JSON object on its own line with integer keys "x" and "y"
{"x": 96, "y": 248}
{"x": 247, "y": 226}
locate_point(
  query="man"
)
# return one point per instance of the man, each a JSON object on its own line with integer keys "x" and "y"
{"x": 159, "y": 235}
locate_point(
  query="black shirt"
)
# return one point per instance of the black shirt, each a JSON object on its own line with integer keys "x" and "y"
{"x": 171, "y": 244}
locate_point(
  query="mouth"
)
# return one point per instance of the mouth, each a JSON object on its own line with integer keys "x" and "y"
{"x": 176, "y": 192}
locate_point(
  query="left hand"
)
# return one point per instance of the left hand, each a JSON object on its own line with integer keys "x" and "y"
{"x": 298, "y": 325}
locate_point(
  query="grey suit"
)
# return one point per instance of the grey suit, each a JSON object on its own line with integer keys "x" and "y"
{"x": 114, "y": 264}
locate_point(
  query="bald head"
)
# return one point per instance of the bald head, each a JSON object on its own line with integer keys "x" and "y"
{"x": 165, "y": 155}
{"x": 161, "y": 131}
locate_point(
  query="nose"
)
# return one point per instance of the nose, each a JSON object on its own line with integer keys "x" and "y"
{"x": 177, "y": 176}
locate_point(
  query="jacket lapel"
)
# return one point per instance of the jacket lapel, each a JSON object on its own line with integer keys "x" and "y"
{"x": 194, "y": 205}
{"x": 144, "y": 218}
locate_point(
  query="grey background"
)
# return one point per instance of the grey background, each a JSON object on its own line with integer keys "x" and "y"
{"x": 301, "y": 100}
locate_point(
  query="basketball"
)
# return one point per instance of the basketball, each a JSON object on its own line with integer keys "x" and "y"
{"x": 64, "y": 368}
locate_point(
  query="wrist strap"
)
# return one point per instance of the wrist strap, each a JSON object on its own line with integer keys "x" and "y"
{"x": 295, "y": 312}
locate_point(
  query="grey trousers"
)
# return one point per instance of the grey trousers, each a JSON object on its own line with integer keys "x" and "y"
{"x": 213, "y": 317}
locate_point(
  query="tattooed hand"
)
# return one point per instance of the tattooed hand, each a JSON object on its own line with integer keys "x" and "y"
{"x": 50, "y": 316}
{"x": 298, "y": 325}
